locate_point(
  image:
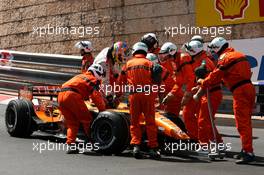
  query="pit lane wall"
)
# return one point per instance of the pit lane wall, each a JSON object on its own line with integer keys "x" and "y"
{"x": 54, "y": 26}
{"x": 30, "y": 25}
{"x": 18, "y": 69}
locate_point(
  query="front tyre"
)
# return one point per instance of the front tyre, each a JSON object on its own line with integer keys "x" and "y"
{"x": 111, "y": 132}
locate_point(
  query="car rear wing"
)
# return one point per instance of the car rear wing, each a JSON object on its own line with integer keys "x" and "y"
{"x": 29, "y": 92}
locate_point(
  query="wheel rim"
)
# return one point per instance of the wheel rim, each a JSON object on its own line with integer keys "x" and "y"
{"x": 11, "y": 118}
{"x": 103, "y": 132}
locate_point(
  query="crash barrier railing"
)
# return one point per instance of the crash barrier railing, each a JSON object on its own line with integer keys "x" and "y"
{"x": 259, "y": 110}
{"x": 227, "y": 102}
{"x": 18, "y": 69}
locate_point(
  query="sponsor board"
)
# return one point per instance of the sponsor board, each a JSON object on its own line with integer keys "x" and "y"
{"x": 226, "y": 12}
{"x": 253, "y": 48}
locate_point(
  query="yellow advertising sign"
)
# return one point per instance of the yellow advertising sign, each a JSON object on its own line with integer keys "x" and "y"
{"x": 224, "y": 12}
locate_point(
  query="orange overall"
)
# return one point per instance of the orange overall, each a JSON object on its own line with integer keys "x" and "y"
{"x": 185, "y": 76}
{"x": 138, "y": 73}
{"x": 87, "y": 61}
{"x": 72, "y": 105}
{"x": 234, "y": 69}
{"x": 174, "y": 105}
{"x": 205, "y": 132}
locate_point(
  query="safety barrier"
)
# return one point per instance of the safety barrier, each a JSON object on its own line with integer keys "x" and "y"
{"x": 259, "y": 110}
{"x": 18, "y": 69}
{"x": 227, "y": 102}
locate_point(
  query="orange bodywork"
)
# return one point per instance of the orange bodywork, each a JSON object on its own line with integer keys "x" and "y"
{"x": 44, "y": 117}
{"x": 167, "y": 127}
{"x": 44, "y": 107}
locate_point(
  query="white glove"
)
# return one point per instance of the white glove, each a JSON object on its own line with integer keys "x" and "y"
{"x": 168, "y": 97}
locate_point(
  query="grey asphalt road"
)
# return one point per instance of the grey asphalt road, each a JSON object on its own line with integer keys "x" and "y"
{"x": 18, "y": 157}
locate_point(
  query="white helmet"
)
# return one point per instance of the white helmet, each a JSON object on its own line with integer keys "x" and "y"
{"x": 153, "y": 58}
{"x": 217, "y": 44}
{"x": 97, "y": 70}
{"x": 85, "y": 45}
{"x": 168, "y": 48}
{"x": 197, "y": 38}
{"x": 139, "y": 46}
{"x": 193, "y": 47}
{"x": 150, "y": 39}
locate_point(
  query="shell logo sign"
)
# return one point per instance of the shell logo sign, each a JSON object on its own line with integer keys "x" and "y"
{"x": 231, "y": 9}
{"x": 224, "y": 12}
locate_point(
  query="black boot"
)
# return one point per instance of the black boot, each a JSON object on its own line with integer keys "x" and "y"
{"x": 137, "y": 153}
{"x": 246, "y": 158}
{"x": 154, "y": 153}
{"x": 72, "y": 149}
{"x": 239, "y": 155}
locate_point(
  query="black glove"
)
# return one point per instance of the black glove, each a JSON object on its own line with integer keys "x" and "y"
{"x": 112, "y": 102}
{"x": 201, "y": 71}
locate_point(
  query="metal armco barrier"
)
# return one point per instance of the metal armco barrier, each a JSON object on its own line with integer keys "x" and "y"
{"x": 226, "y": 105}
{"x": 18, "y": 69}
{"x": 227, "y": 102}
{"x": 54, "y": 59}
{"x": 260, "y": 98}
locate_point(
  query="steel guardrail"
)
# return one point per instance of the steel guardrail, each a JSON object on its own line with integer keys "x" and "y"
{"x": 18, "y": 69}
{"x": 51, "y": 69}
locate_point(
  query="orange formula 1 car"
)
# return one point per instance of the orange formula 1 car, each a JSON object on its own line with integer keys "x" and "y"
{"x": 36, "y": 109}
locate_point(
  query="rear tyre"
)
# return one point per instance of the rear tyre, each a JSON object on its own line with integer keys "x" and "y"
{"x": 18, "y": 118}
{"x": 111, "y": 132}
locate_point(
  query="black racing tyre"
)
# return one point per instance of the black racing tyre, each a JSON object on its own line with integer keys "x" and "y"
{"x": 18, "y": 118}
{"x": 110, "y": 131}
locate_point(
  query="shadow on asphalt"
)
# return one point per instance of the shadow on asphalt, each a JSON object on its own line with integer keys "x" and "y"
{"x": 236, "y": 136}
{"x": 259, "y": 160}
{"x": 172, "y": 158}
{"x": 92, "y": 154}
{"x": 183, "y": 156}
{"x": 50, "y": 138}
{"x": 180, "y": 160}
